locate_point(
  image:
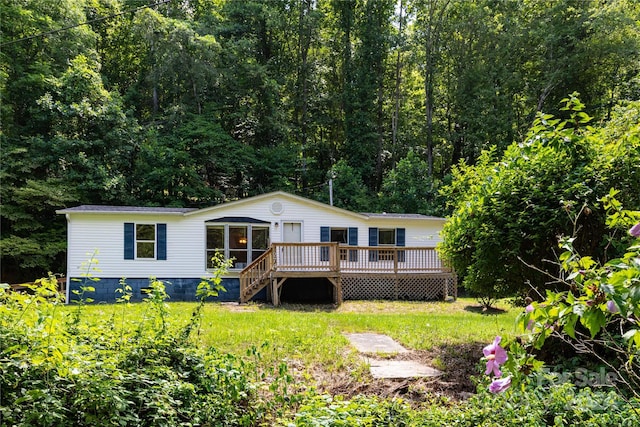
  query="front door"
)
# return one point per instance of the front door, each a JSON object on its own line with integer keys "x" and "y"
{"x": 291, "y": 233}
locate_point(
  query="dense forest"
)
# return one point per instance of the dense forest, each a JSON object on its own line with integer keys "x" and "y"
{"x": 196, "y": 102}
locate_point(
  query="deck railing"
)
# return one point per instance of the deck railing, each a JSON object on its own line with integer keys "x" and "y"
{"x": 330, "y": 258}
{"x": 380, "y": 259}
{"x": 306, "y": 257}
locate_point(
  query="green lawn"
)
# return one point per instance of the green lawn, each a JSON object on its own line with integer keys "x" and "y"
{"x": 449, "y": 335}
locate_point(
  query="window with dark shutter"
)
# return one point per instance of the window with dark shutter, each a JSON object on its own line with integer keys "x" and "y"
{"x": 325, "y": 236}
{"x": 145, "y": 241}
{"x": 373, "y": 241}
{"x": 129, "y": 240}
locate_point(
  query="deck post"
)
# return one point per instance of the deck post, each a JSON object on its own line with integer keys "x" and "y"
{"x": 396, "y": 278}
{"x": 337, "y": 285}
{"x": 274, "y": 292}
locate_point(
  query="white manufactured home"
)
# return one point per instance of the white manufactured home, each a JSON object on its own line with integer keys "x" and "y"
{"x": 283, "y": 247}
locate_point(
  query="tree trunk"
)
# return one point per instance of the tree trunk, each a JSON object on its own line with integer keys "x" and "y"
{"x": 432, "y": 40}
{"x": 398, "y": 82}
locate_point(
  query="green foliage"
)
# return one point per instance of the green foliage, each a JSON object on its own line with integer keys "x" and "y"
{"x": 558, "y": 405}
{"x": 509, "y": 209}
{"x": 86, "y": 373}
{"x": 597, "y": 316}
{"x": 598, "y": 313}
{"x": 408, "y": 189}
{"x": 323, "y": 410}
{"x": 349, "y": 191}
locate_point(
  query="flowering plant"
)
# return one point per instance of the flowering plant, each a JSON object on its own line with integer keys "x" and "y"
{"x": 597, "y": 314}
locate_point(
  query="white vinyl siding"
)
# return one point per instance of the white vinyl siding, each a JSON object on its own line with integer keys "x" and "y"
{"x": 187, "y": 238}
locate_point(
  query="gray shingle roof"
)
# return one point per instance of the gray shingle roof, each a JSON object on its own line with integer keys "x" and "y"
{"x": 126, "y": 209}
{"x": 398, "y": 215}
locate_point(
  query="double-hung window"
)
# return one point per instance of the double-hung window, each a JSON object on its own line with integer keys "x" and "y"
{"x": 242, "y": 242}
{"x": 390, "y": 237}
{"x": 145, "y": 241}
{"x": 386, "y": 237}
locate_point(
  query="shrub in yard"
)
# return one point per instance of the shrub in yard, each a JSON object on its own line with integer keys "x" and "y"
{"x": 59, "y": 369}
{"x": 598, "y": 315}
{"x": 510, "y": 208}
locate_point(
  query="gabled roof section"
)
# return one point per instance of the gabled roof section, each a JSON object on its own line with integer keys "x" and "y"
{"x": 125, "y": 209}
{"x": 275, "y": 195}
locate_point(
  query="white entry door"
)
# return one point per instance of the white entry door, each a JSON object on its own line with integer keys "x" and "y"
{"x": 291, "y": 232}
{"x": 291, "y": 256}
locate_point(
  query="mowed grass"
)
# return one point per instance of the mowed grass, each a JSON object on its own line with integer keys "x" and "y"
{"x": 312, "y": 337}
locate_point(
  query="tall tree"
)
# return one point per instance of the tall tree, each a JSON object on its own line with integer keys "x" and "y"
{"x": 430, "y": 17}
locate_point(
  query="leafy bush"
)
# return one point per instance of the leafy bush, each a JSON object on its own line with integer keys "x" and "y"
{"x": 599, "y": 312}
{"x": 322, "y": 410}
{"x": 59, "y": 369}
{"x": 510, "y": 209}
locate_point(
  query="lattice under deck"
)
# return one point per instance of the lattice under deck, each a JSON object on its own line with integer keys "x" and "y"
{"x": 403, "y": 287}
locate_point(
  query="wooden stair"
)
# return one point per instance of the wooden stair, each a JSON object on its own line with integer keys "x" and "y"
{"x": 256, "y": 276}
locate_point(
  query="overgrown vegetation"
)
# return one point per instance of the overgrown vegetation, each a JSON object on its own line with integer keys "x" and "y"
{"x": 63, "y": 368}
{"x": 117, "y": 368}
{"x": 511, "y": 208}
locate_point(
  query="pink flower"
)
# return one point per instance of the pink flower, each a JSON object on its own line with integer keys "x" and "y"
{"x": 612, "y": 307}
{"x": 498, "y": 386}
{"x": 530, "y": 325}
{"x": 495, "y": 356}
{"x": 635, "y": 230}
{"x": 529, "y": 308}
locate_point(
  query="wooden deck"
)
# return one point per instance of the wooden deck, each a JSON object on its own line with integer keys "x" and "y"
{"x": 387, "y": 266}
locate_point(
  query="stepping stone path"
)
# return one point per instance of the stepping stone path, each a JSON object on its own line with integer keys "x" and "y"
{"x": 368, "y": 344}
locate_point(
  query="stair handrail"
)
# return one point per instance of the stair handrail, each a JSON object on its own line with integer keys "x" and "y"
{"x": 253, "y": 277}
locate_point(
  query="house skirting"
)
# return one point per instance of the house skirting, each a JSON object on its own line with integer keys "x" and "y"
{"x": 183, "y": 289}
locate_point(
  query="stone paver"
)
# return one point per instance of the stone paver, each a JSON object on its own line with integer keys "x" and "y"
{"x": 375, "y": 343}
{"x": 393, "y": 369}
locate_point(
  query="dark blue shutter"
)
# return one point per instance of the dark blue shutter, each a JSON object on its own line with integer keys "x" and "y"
{"x": 161, "y": 241}
{"x": 325, "y": 236}
{"x": 353, "y": 241}
{"x": 400, "y": 241}
{"x": 373, "y": 241}
{"x": 129, "y": 237}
